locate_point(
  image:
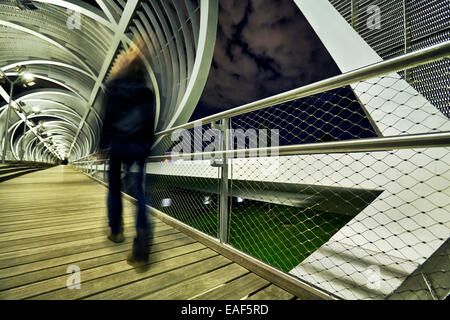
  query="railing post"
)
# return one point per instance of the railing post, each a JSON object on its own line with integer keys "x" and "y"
{"x": 224, "y": 194}
{"x": 104, "y": 171}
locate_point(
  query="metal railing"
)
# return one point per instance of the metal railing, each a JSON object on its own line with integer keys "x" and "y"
{"x": 93, "y": 165}
{"x": 336, "y": 183}
{"x": 407, "y": 61}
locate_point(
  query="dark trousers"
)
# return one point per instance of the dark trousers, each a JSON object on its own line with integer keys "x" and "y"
{"x": 124, "y": 152}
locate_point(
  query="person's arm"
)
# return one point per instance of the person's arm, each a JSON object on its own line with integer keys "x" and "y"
{"x": 149, "y": 128}
{"x": 105, "y": 137}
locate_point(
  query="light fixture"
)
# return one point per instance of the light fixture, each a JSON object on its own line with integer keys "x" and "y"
{"x": 36, "y": 109}
{"x": 21, "y": 70}
{"x": 27, "y": 76}
{"x": 206, "y": 200}
{"x": 239, "y": 199}
{"x": 28, "y": 84}
{"x": 167, "y": 202}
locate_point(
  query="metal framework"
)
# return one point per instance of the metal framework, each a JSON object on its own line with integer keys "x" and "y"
{"x": 329, "y": 215}
{"x": 74, "y": 45}
{"x": 396, "y": 229}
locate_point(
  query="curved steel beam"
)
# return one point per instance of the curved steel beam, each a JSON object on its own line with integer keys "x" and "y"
{"x": 118, "y": 36}
{"x": 207, "y": 38}
{"x": 83, "y": 8}
{"x": 107, "y": 12}
{"x": 59, "y": 92}
{"x": 47, "y": 39}
{"x": 170, "y": 62}
{"x": 47, "y": 62}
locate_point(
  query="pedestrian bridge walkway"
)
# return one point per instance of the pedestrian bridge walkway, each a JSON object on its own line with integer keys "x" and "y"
{"x": 54, "y": 221}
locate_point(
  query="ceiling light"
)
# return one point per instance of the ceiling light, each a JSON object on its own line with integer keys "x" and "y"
{"x": 27, "y": 76}
{"x": 21, "y": 69}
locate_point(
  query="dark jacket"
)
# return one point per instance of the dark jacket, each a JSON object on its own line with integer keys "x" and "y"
{"x": 128, "y": 107}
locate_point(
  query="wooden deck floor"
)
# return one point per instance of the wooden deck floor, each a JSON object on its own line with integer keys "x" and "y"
{"x": 56, "y": 218}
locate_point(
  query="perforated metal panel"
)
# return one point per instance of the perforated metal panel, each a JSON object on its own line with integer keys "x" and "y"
{"x": 407, "y": 26}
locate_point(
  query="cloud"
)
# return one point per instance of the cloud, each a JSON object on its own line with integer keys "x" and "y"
{"x": 263, "y": 47}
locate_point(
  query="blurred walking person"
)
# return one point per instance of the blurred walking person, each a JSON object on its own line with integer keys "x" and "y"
{"x": 128, "y": 132}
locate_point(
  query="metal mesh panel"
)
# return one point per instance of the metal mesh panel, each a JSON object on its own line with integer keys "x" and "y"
{"x": 344, "y": 7}
{"x": 392, "y": 221}
{"x": 407, "y": 26}
{"x": 423, "y": 78}
{"x": 193, "y": 140}
{"x": 333, "y": 115}
{"x": 282, "y": 223}
{"x": 430, "y": 280}
{"x": 355, "y": 224}
{"x": 359, "y": 222}
{"x": 398, "y": 107}
{"x": 284, "y": 210}
{"x": 394, "y": 234}
{"x": 192, "y": 198}
{"x": 394, "y": 106}
{"x": 428, "y": 17}
{"x": 392, "y": 32}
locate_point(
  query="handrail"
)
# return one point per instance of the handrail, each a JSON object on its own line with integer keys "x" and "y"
{"x": 407, "y": 61}
{"x": 429, "y": 140}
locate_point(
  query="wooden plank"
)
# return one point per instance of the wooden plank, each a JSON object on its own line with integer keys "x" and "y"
{"x": 109, "y": 277}
{"x": 16, "y": 173}
{"x": 63, "y": 222}
{"x": 35, "y": 242}
{"x": 42, "y": 264}
{"x": 45, "y": 230}
{"x": 33, "y": 213}
{"x": 85, "y": 261}
{"x": 97, "y": 235}
{"x": 30, "y": 210}
{"x": 235, "y": 290}
{"x": 17, "y": 226}
{"x": 159, "y": 281}
{"x": 4, "y": 170}
{"x": 63, "y": 249}
{"x": 38, "y": 241}
{"x": 272, "y": 292}
{"x": 43, "y": 212}
{"x": 46, "y": 289}
{"x": 283, "y": 280}
{"x": 38, "y": 224}
{"x": 48, "y": 230}
{"x": 191, "y": 288}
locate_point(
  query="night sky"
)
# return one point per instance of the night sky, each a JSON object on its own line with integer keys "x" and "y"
{"x": 263, "y": 47}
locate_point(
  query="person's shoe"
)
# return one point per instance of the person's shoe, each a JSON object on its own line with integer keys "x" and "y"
{"x": 117, "y": 238}
{"x": 140, "y": 252}
{"x": 136, "y": 260}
